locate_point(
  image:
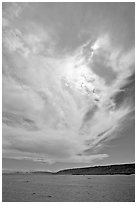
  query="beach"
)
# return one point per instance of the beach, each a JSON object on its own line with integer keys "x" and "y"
{"x": 67, "y": 188}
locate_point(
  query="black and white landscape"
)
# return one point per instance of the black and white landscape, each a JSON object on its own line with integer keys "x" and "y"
{"x": 68, "y": 101}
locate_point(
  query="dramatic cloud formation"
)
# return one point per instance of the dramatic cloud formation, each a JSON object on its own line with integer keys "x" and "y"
{"x": 60, "y": 106}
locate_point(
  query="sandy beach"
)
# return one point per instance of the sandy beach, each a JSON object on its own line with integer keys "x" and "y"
{"x": 67, "y": 188}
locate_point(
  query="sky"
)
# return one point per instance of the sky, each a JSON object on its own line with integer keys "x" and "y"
{"x": 68, "y": 85}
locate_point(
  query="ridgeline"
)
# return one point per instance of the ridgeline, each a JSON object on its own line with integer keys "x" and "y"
{"x": 121, "y": 169}
{"x": 125, "y": 169}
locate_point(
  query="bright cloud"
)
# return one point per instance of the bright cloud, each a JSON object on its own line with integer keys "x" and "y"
{"x": 59, "y": 107}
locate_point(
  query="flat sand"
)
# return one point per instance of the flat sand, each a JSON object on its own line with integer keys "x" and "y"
{"x": 68, "y": 188}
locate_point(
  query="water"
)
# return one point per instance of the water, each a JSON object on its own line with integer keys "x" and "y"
{"x": 68, "y": 188}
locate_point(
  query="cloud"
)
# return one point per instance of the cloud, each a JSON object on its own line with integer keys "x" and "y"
{"x": 12, "y": 10}
{"x": 60, "y": 107}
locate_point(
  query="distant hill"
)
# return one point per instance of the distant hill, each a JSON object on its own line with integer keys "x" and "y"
{"x": 28, "y": 172}
{"x": 41, "y": 172}
{"x": 126, "y": 169}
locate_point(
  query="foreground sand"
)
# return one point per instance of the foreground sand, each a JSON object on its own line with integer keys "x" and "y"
{"x": 68, "y": 188}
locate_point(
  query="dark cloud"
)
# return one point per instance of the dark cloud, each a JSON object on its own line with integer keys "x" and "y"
{"x": 126, "y": 93}
{"x": 100, "y": 67}
{"x": 90, "y": 114}
{"x": 84, "y": 129}
{"x": 102, "y": 133}
{"x": 15, "y": 120}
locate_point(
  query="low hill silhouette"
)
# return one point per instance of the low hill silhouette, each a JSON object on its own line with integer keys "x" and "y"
{"x": 126, "y": 169}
